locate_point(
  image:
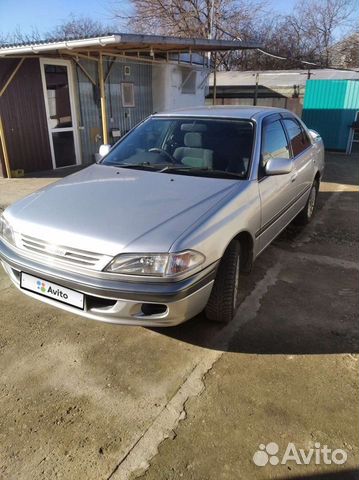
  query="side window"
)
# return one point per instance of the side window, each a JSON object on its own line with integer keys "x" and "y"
{"x": 306, "y": 140}
{"x": 274, "y": 144}
{"x": 189, "y": 79}
{"x": 298, "y": 137}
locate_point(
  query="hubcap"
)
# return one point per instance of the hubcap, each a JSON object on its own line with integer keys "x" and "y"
{"x": 236, "y": 284}
{"x": 311, "y": 201}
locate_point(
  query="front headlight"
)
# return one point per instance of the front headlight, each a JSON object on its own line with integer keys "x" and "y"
{"x": 156, "y": 264}
{"x": 6, "y": 232}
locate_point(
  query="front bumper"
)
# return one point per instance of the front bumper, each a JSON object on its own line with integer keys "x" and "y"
{"x": 151, "y": 304}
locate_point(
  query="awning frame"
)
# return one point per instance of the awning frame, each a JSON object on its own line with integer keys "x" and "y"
{"x": 141, "y": 48}
{"x": 129, "y": 42}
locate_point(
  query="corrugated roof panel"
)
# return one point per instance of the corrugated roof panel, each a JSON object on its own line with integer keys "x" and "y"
{"x": 280, "y": 78}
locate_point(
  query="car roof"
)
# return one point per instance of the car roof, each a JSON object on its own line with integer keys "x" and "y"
{"x": 231, "y": 111}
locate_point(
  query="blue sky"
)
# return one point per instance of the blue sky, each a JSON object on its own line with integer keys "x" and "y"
{"x": 45, "y": 14}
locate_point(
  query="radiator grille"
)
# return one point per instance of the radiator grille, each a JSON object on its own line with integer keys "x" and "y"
{"x": 62, "y": 254}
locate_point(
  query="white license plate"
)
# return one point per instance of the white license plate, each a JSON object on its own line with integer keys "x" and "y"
{"x": 51, "y": 290}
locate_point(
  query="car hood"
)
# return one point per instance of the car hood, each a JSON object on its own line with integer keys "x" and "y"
{"x": 112, "y": 210}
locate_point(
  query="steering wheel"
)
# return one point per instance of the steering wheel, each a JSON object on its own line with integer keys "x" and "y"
{"x": 168, "y": 155}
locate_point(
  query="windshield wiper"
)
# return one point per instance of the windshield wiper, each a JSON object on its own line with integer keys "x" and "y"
{"x": 137, "y": 166}
{"x": 202, "y": 171}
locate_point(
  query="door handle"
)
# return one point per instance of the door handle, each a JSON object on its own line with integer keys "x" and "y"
{"x": 294, "y": 177}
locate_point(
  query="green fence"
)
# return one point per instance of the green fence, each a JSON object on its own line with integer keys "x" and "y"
{"x": 330, "y": 107}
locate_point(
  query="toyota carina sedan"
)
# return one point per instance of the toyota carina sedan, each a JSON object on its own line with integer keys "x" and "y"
{"x": 163, "y": 226}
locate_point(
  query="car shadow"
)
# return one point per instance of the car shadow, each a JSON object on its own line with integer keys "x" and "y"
{"x": 300, "y": 326}
{"x": 269, "y": 337}
{"x": 348, "y": 474}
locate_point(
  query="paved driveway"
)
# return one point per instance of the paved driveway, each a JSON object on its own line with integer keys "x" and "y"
{"x": 85, "y": 400}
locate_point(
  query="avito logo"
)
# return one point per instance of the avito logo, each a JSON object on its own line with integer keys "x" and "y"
{"x": 318, "y": 455}
{"x": 55, "y": 292}
{"x": 41, "y": 286}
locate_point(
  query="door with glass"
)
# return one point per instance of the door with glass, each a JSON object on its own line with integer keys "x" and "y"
{"x": 61, "y": 112}
{"x": 276, "y": 191}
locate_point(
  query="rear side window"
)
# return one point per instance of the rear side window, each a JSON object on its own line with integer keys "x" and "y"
{"x": 298, "y": 138}
{"x": 274, "y": 144}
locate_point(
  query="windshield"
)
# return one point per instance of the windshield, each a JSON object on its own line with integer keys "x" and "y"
{"x": 190, "y": 146}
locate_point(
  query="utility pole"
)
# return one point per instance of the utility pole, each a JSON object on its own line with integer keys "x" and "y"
{"x": 215, "y": 79}
{"x": 256, "y": 88}
{"x": 210, "y": 36}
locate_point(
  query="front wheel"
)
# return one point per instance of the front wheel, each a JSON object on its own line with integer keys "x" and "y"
{"x": 306, "y": 215}
{"x": 223, "y": 302}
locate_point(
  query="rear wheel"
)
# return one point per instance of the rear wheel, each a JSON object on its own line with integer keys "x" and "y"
{"x": 223, "y": 301}
{"x": 306, "y": 215}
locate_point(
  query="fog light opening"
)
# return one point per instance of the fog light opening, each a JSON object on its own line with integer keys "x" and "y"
{"x": 149, "y": 309}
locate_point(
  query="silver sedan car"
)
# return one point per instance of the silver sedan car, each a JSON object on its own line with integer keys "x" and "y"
{"x": 163, "y": 226}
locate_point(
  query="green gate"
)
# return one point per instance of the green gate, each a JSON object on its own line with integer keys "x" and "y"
{"x": 330, "y": 107}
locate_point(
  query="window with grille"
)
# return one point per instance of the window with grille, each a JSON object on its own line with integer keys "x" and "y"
{"x": 188, "y": 81}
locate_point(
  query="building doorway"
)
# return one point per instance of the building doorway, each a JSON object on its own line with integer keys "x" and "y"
{"x": 60, "y": 108}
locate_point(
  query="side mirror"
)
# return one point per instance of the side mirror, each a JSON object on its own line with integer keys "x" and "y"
{"x": 278, "y": 166}
{"x": 315, "y": 135}
{"x": 104, "y": 149}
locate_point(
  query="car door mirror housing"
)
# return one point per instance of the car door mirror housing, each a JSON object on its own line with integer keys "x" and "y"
{"x": 278, "y": 166}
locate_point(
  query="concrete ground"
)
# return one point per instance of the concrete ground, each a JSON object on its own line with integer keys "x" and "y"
{"x": 16, "y": 188}
{"x": 85, "y": 400}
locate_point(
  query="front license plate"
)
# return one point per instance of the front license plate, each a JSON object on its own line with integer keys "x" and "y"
{"x": 51, "y": 290}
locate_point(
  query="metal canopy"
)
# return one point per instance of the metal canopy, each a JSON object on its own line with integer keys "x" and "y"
{"x": 143, "y": 47}
{"x": 126, "y": 42}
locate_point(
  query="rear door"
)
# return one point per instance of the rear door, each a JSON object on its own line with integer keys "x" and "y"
{"x": 276, "y": 191}
{"x": 303, "y": 156}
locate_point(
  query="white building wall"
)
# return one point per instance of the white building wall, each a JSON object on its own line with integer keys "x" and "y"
{"x": 167, "y": 85}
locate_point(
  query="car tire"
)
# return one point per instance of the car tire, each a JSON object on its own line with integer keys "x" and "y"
{"x": 223, "y": 301}
{"x": 306, "y": 215}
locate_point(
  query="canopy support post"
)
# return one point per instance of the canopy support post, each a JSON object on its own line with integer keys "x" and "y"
{"x": 105, "y": 137}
